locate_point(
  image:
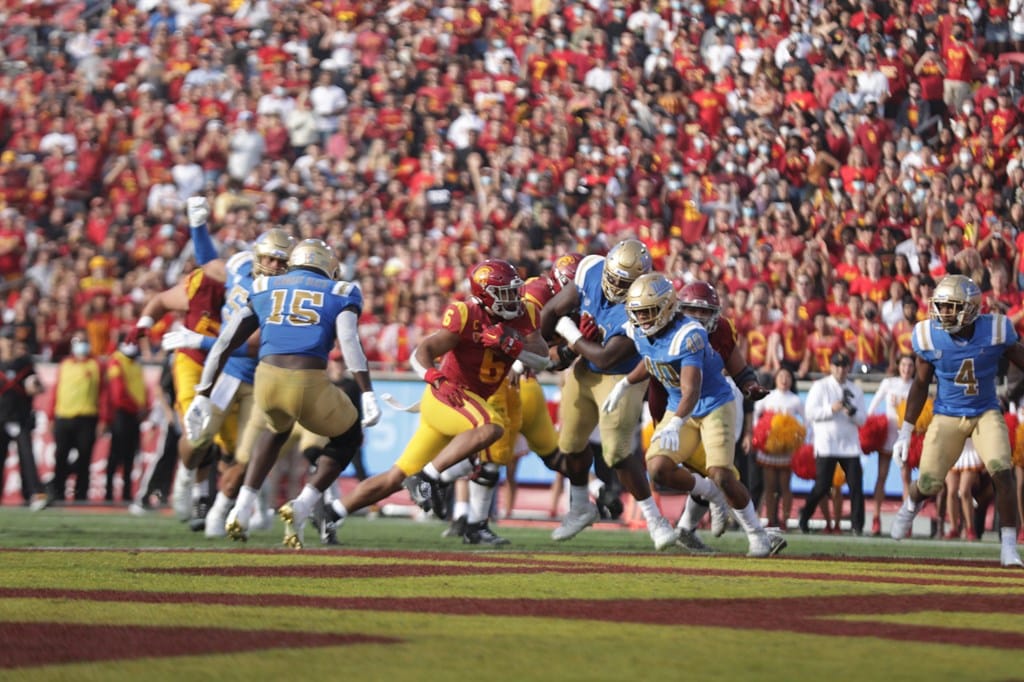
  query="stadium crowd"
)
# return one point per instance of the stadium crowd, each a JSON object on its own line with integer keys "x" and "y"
{"x": 822, "y": 164}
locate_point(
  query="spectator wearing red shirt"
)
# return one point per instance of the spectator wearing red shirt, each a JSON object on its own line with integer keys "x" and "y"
{"x": 873, "y": 285}
{"x": 959, "y": 58}
{"x": 787, "y": 345}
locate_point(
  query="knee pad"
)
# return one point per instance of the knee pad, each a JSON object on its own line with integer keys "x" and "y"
{"x": 342, "y": 448}
{"x": 486, "y": 474}
{"x": 929, "y": 485}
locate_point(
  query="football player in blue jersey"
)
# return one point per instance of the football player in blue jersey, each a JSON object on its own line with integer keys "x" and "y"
{"x": 701, "y": 408}
{"x": 606, "y": 355}
{"x": 961, "y": 349}
{"x": 299, "y": 315}
{"x": 232, "y": 417}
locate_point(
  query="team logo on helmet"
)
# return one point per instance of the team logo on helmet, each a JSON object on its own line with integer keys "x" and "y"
{"x": 496, "y": 284}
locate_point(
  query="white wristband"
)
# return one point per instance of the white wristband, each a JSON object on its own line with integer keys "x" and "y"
{"x": 568, "y": 330}
{"x": 906, "y": 430}
{"x": 145, "y": 322}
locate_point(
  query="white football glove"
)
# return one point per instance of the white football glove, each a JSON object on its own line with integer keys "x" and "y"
{"x": 901, "y": 448}
{"x": 181, "y": 338}
{"x": 568, "y": 330}
{"x": 618, "y": 390}
{"x": 198, "y": 210}
{"x": 371, "y": 409}
{"x": 197, "y": 420}
{"x": 668, "y": 435}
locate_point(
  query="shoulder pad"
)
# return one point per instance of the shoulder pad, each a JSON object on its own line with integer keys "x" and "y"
{"x": 585, "y": 265}
{"x": 239, "y": 264}
{"x": 260, "y": 284}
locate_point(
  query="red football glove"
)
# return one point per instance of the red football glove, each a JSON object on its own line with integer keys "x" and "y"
{"x": 445, "y": 390}
{"x": 496, "y": 338}
{"x": 589, "y": 328}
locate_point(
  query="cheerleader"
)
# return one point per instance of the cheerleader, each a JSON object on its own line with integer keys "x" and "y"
{"x": 783, "y": 399}
{"x": 892, "y": 392}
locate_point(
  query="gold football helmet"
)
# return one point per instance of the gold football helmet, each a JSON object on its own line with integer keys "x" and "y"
{"x": 651, "y": 303}
{"x": 276, "y": 244}
{"x": 624, "y": 263}
{"x": 956, "y": 303}
{"x": 314, "y": 254}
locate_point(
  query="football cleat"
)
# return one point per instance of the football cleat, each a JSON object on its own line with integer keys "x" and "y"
{"x": 294, "y": 524}
{"x": 760, "y": 544}
{"x": 235, "y": 526}
{"x": 904, "y": 521}
{"x": 574, "y": 522}
{"x": 181, "y": 493}
{"x": 200, "y": 508}
{"x": 1010, "y": 558}
{"x": 419, "y": 491}
{"x": 689, "y": 541}
{"x": 216, "y": 520}
{"x": 455, "y": 529}
{"x": 663, "y": 534}
{"x": 481, "y": 534}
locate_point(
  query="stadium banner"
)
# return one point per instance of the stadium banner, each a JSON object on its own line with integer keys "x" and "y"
{"x": 384, "y": 442}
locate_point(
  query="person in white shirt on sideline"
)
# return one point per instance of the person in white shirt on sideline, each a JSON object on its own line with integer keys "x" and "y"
{"x": 835, "y": 408}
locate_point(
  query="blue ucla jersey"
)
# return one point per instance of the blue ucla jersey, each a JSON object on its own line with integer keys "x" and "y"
{"x": 297, "y": 312}
{"x": 237, "y": 289}
{"x": 966, "y": 368}
{"x": 684, "y": 343}
{"x": 610, "y": 317}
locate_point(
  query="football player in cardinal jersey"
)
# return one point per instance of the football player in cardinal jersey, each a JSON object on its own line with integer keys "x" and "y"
{"x": 521, "y": 400}
{"x": 478, "y": 342}
{"x": 701, "y": 408}
{"x": 962, "y": 350}
{"x": 607, "y": 355}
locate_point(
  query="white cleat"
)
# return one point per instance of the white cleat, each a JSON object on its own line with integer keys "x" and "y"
{"x": 763, "y": 544}
{"x": 663, "y": 534}
{"x": 720, "y": 511}
{"x": 216, "y": 523}
{"x": 1009, "y": 558}
{"x": 903, "y": 523}
{"x": 294, "y": 524}
{"x": 236, "y": 525}
{"x": 181, "y": 493}
{"x": 573, "y": 523}
{"x": 261, "y": 519}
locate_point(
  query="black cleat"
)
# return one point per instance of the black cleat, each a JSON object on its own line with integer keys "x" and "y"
{"x": 456, "y": 529}
{"x": 197, "y": 522}
{"x": 440, "y": 497}
{"x": 481, "y": 534}
{"x": 419, "y": 490}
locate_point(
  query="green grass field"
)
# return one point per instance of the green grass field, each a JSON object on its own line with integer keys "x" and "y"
{"x": 109, "y": 596}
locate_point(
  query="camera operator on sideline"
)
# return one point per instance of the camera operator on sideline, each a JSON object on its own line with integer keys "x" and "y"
{"x": 835, "y": 407}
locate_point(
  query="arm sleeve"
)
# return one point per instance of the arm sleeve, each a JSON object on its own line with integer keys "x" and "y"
{"x": 202, "y": 243}
{"x": 207, "y": 344}
{"x": 214, "y": 362}
{"x": 346, "y": 326}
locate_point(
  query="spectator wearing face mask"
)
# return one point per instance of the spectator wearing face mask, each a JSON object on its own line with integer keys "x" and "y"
{"x": 75, "y": 416}
{"x": 124, "y": 406}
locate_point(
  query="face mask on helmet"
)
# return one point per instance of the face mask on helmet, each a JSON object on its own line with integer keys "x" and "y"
{"x": 956, "y": 303}
{"x": 271, "y": 251}
{"x": 564, "y": 270}
{"x": 700, "y": 301}
{"x": 650, "y": 303}
{"x": 622, "y": 266}
{"x": 314, "y": 254}
{"x": 498, "y": 287}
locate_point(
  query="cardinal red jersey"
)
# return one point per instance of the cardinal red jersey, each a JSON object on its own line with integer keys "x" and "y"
{"x": 205, "y": 299}
{"x": 470, "y": 365}
{"x": 538, "y": 291}
{"x": 723, "y": 339}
